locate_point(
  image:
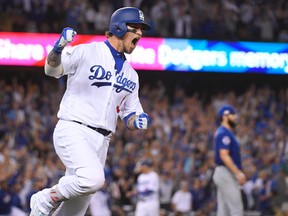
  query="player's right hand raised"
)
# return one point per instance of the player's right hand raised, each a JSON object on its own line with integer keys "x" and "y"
{"x": 67, "y": 36}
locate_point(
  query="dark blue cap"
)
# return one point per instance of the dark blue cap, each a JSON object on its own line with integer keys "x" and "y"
{"x": 226, "y": 110}
{"x": 146, "y": 162}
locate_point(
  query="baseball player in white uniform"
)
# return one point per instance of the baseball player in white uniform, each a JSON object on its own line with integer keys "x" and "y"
{"x": 148, "y": 189}
{"x": 101, "y": 86}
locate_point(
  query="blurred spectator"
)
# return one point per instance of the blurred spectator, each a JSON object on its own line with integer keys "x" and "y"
{"x": 122, "y": 192}
{"x": 182, "y": 200}
{"x": 167, "y": 186}
{"x": 198, "y": 194}
{"x": 231, "y": 18}
{"x": 249, "y": 187}
{"x": 183, "y": 22}
{"x": 100, "y": 203}
{"x": 279, "y": 191}
{"x": 102, "y": 17}
{"x": 265, "y": 22}
{"x": 5, "y": 200}
{"x": 265, "y": 199}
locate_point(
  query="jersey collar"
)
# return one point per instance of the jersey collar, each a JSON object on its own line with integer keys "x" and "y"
{"x": 114, "y": 52}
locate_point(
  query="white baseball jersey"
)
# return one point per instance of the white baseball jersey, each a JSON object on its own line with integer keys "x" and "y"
{"x": 95, "y": 94}
{"x": 99, "y": 204}
{"x": 182, "y": 201}
{"x": 148, "y": 203}
{"x": 148, "y": 182}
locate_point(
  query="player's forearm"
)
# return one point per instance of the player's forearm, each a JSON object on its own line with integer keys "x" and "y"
{"x": 130, "y": 124}
{"x": 53, "y": 65}
{"x": 53, "y": 59}
{"x": 240, "y": 176}
{"x": 230, "y": 164}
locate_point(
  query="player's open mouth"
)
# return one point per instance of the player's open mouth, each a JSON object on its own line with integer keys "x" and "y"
{"x": 135, "y": 41}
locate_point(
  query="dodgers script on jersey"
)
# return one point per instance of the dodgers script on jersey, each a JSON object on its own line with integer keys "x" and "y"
{"x": 111, "y": 95}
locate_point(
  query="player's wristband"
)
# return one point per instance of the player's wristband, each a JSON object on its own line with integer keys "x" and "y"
{"x": 126, "y": 119}
{"x": 53, "y": 71}
{"x": 57, "y": 49}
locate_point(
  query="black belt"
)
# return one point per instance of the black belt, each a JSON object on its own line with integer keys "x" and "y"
{"x": 99, "y": 130}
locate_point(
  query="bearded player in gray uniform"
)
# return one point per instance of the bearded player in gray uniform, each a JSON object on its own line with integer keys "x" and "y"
{"x": 101, "y": 86}
{"x": 228, "y": 175}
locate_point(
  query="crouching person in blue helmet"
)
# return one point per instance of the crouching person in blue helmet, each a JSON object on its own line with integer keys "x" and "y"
{"x": 101, "y": 87}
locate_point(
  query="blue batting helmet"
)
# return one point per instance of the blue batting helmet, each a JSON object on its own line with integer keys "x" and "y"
{"x": 123, "y": 16}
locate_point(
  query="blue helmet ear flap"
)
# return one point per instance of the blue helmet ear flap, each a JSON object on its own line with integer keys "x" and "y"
{"x": 118, "y": 30}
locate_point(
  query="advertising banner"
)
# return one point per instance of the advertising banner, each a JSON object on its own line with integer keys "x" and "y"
{"x": 189, "y": 55}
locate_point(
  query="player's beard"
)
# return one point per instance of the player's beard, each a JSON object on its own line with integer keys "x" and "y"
{"x": 232, "y": 123}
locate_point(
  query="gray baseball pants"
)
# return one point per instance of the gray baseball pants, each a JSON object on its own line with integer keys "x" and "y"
{"x": 229, "y": 200}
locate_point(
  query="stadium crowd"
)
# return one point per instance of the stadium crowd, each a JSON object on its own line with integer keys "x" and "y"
{"x": 179, "y": 142}
{"x": 212, "y": 19}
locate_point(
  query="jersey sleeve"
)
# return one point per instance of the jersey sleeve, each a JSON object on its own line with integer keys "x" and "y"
{"x": 224, "y": 141}
{"x": 70, "y": 59}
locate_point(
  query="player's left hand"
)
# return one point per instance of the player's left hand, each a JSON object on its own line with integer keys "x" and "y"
{"x": 141, "y": 121}
{"x": 67, "y": 36}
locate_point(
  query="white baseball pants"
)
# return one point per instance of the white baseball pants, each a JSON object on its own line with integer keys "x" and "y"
{"x": 83, "y": 151}
{"x": 147, "y": 208}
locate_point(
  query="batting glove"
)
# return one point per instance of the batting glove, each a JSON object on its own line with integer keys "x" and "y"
{"x": 141, "y": 121}
{"x": 66, "y": 36}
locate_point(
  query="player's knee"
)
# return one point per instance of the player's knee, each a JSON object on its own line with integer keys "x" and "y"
{"x": 90, "y": 180}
